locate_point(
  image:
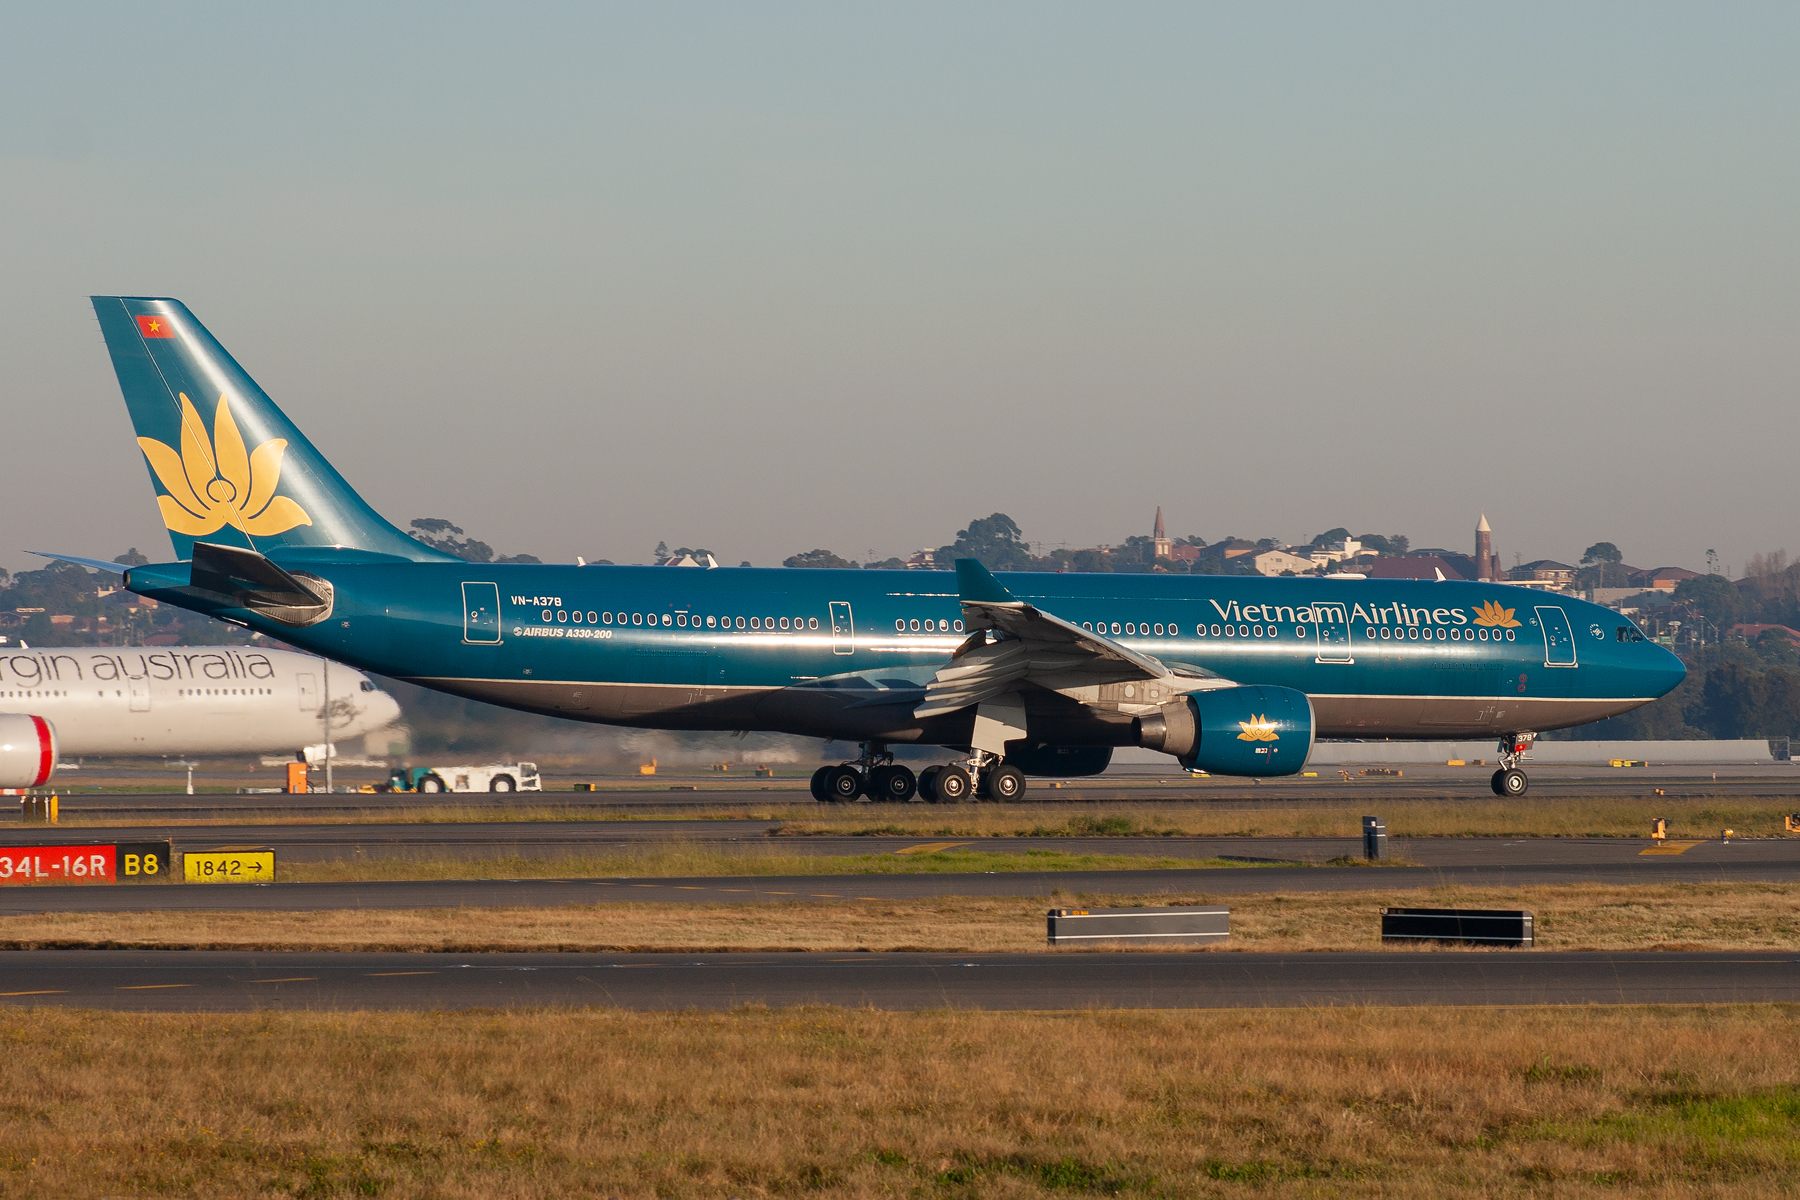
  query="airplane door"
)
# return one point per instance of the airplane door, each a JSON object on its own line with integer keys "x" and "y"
{"x": 140, "y": 695}
{"x": 481, "y": 613}
{"x": 309, "y": 692}
{"x": 843, "y": 628}
{"x": 1333, "y": 624}
{"x": 1559, "y": 641}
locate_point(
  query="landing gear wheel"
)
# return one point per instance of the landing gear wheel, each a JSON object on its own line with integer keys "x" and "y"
{"x": 844, "y": 784}
{"x": 897, "y": 784}
{"x": 1005, "y": 783}
{"x": 928, "y": 784}
{"x": 818, "y": 785}
{"x": 1511, "y": 783}
{"x": 953, "y": 783}
{"x": 1495, "y": 782}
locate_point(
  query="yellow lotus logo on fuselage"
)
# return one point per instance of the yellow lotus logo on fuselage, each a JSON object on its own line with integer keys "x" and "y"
{"x": 1258, "y": 729}
{"x": 1489, "y": 613}
{"x": 216, "y": 481}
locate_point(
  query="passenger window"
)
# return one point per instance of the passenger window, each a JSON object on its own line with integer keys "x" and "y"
{"x": 711, "y": 621}
{"x": 667, "y": 619}
{"x": 740, "y": 622}
{"x": 637, "y": 618}
{"x": 812, "y": 622}
{"x": 1199, "y": 631}
{"x": 606, "y": 618}
{"x": 915, "y": 625}
{"x": 959, "y": 627}
{"x": 1116, "y": 628}
{"x": 1159, "y": 629}
{"x": 590, "y": 618}
{"x": 784, "y": 622}
{"x": 899, "y": 625}
{"x": 755, "y": 622}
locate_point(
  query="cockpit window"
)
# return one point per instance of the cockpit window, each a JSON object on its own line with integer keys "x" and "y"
{"x": 367, "y": 686}
{"x": 1628, "y": 633}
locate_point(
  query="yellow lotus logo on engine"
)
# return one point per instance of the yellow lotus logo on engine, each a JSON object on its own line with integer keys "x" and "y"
{"x": 1489, "y": 612}
{"x": 1258, "y": 729}
{"x": 216, "y": 481}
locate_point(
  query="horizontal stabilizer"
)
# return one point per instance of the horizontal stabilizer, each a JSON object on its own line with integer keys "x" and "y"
{"x": 253, "y": 582}
{"x": 95, "y": 564}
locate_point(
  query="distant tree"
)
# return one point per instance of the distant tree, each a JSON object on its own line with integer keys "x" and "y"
{"x": 131, "y": 558}
{"x": 1602, "y": 552}
{"x": 1776, "y": 648}
{"x": 440, "y": 534}
{"x": 1270, "y": 543}
{"x": 518, "y": 558}
{"x": 1712, "y": 596}
{"x": 995, "y": 540}
{"x": 886, "y": 564}
{"x": 1394, "y": 545}
{"x": 823, "y": 559}
{"x": 745, "y": 563}
{"x": 1091, "y": 561}
{"x": 662, "y": 551}
{"x": 1193, "y": 539}
{"x": 1331, "y": 535}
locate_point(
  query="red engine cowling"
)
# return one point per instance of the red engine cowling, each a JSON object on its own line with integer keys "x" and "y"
{"x": 27, "y": 750}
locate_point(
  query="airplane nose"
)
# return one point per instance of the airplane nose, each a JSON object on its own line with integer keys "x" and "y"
{"x": 1668, "y": 673}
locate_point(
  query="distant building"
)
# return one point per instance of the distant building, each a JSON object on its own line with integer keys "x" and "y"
{"x": 924, "y": 560}
{"x": 1545, "y": 572}
{"x": 1411, "y": 566}
{"x": 1164, "y": 547}
{"x": 1465, "y": 565}
{"x": 1751, "y": 632}
{"x": 1664, "y": 579}
{"x": 1183, "y": 554}
{"x": 1487, "y": 563}
{"x": 1280, "y": 562}
{"x": 1337, "y": 552}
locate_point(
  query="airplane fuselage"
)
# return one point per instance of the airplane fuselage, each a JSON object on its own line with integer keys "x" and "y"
{"x": 179, "y": 700}
{"x": 847, "y": 654}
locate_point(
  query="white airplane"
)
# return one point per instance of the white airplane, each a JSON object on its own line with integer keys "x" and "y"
{"x": 177, "y": 700}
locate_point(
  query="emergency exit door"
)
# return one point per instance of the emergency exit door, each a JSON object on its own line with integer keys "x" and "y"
{"x": 481, "y": 613}
{"x": 1559, "y": 640}
{"x": 843, "y": 628}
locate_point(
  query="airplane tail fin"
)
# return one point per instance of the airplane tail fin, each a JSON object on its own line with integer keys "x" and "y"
{"x": 228, "y": 467}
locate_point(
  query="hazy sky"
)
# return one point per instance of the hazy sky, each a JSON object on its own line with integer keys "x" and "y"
{"x": 769, "y": 277}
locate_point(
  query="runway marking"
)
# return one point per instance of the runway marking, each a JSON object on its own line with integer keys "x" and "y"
{"x": 688, "y": 887}
{"x": 930, "y": 847}
{"x": 782, "y": 893}
{"x": 52, "y": 992}
{"x": 1671, "y": 848}
{"x": 150, "y": 987}
{"x": 294, "y": 979}
{"x": 732, "y": 889}
{"x": 389, "y": 974}
{"x": 826, "y": 896}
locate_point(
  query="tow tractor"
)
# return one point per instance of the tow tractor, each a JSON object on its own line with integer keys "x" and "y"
{"x": 494, "y": 777}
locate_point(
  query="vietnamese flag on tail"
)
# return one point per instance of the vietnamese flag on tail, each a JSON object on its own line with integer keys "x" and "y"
{"x": 153, "y": 325}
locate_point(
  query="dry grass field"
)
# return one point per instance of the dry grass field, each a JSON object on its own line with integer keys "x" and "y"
{"x": 1662, "y": 1102}
{"x": 1473, "y": 817}
{"x": 1712, "y": 916}
{"x": 682, "y": 859}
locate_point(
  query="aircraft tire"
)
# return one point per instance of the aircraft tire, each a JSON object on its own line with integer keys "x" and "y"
{"x": 1006, "y": 783}
{"x": 431, "y": 784}
{"x": 896, "y": 783}
{"x": 818, "y": 785}
{"x": 1513, "y": 783}
{"x": 503, "y": 783}
{"x": 845, "y": 784}
{"x": 928, "y": 784}
{"x": 1495, "y": 782}
{"x": 953, "y": 783}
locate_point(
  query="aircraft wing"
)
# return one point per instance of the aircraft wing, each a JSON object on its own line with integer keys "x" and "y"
{"x": 1034, "y": 647}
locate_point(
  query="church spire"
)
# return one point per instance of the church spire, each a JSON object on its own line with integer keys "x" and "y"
{"x": 1159, "y": 534}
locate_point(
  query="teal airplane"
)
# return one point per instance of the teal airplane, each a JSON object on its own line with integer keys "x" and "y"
{"x": 1021, "y": 674}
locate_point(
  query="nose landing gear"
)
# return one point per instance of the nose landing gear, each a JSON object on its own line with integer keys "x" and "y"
{"x": 1509, "y": 781}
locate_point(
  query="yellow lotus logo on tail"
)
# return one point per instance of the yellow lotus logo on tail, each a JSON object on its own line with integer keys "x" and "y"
{"x": 1489, "y": 613}
{"x": 1258, "y": 729}
{"x": 215, "y": 482}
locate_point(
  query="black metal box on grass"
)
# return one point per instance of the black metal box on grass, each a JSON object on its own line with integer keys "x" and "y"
{"x": 1466, "y": 926}
{"x": 1143, "y": 926}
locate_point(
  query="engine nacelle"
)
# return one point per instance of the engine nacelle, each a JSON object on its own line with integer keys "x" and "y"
{"x": 1234, "y": 731}
{"x": 27, "y": 750}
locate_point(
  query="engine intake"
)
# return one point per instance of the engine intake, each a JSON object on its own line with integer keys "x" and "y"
{"x": 1262, "y": 731}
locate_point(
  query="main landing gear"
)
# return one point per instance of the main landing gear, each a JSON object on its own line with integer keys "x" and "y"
{"x": 1509, "y": 781}
{"x": 983, "y": 776}
{"x": 873, "y": 774}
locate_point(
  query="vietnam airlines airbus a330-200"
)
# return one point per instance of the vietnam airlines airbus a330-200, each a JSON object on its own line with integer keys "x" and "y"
{"x": 1021, "y": 674}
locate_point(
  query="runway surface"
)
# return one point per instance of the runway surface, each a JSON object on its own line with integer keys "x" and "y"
{"x": 1770, "y": 861}
{"x": 200, "y": 981}
{"x": 1418, "y": 782}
